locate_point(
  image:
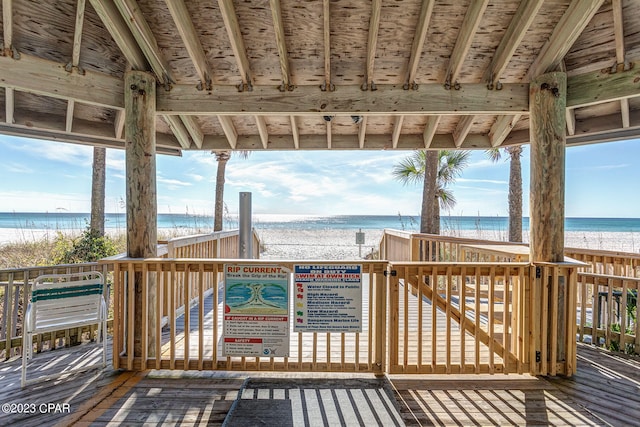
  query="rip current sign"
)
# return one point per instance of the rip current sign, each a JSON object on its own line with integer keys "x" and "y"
{"x": 327, "y": 298}
{"x": 256, "y": 311}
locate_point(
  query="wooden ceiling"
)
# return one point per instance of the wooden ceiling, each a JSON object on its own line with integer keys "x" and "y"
{"x": 321, "y": 74}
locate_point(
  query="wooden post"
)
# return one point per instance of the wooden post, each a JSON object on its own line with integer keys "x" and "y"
{"x": 547, "y": 106}
{"x": 140, "y": 129}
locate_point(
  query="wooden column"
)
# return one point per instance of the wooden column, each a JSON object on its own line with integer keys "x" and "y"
{"x": 140, "y": 129}
{"x": 547, "y": 104}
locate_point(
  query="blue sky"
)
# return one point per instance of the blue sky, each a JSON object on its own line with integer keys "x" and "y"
{"x": 42, "y": 176}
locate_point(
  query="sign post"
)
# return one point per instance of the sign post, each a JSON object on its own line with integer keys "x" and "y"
{"x": 360, "y": 241}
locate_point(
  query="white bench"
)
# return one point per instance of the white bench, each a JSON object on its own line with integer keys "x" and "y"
{"x": 63, "y": 301}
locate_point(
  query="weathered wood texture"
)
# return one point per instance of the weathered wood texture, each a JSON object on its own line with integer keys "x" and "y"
{"x": 548, "y": 140}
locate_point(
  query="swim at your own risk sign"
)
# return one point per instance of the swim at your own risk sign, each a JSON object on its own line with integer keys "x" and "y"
{"x": 256, "y": 311}
{"x": 327, "y": 298}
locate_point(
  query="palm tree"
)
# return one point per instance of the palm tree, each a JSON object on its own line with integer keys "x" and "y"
{"x": 222, "y": 157}
{"x": 515, "y": 189}
{"x": 98, "y": 191}
{"x": 437, "y": 169}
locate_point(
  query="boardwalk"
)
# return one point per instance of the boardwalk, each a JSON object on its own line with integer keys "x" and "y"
{"x": 605, "y": 391}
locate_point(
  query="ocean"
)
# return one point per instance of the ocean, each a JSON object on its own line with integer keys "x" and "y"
{"x": 200, "y": 223}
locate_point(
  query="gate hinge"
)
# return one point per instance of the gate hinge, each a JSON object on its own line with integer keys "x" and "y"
{"x": 538, "y": 356}
{"x": 538, "y": 272}
{"x": 392, "y": 273}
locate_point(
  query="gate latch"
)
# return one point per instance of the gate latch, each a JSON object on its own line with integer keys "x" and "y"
{"x": 390, "y": 273}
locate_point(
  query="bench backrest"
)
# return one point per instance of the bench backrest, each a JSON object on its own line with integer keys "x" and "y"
{"x": 60, "y": 301}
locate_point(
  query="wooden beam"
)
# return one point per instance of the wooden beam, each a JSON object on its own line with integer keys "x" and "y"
{"x": 118, "y": 123}
{"x": 564, "y": 35}
{"x": 191, "y": 40}
{"x": 278, "y": 26}
{"x": 430, "y": 131}
{"x": 465, "y": 39}
{"x": 193, "y": 128}
{"x": 49, "y": 78}
{"x": 117, "y": 27}
{"x": 374, "y": 24}
{"x": 262, "y": 131}
{"x": 501, "y": 129}
{"x": 462, "y": 130}
{"x": 328, "y": 125}
{"x": 77, "y": 34}
{"x": 345, "y": 142}
{"x": 52, "y": 128}
{"x": 295, "y": 133}
{"x": 618, "y": 31}
{"x": 518, "y": 27}
{"x": 229, "y": 130}
{"x": 178, "y": 129}
{"x": 145, "y": 39}
{"x": 9, "y": 104}
{"x": 7, "y": 27}
{"x": 308, "y": 100}
{"x": 362, "y": 132}
{"x": 326, "y": 14}
{"x": 602, "y": 86}
{"x": 548, "y": 139}
{"x": 419, "y": 37}
{"x": 235, "y": 38}
{"x": 69, "y": 116}
{"x": 624, "y": 111}
{"x": 397, "y": 130}
{"x": 571, "y": 121}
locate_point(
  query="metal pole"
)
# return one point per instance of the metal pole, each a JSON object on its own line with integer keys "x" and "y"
{"x": 245, "y": 250}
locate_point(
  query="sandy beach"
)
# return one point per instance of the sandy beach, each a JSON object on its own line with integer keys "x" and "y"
{"x": 338, "y": 244}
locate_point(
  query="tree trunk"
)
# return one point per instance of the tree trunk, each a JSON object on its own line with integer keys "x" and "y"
{"x": 429, "y": 215}
{"x": 515, "y": 194}
{"x": 97, "y": 190}
{"x": 222, "y": 157}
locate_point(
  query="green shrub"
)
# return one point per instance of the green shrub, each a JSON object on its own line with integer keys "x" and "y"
{"x": 90, "y": 246}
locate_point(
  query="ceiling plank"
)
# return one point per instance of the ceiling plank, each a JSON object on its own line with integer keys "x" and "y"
{"x": 178, "y": 129}
{"x": 117, "y": 27}
{"x": 189, "y": 35}
{"x": 326, "y": 11}
{"x": 229, "y": 130}
{"x": 235, "y": 38}
{"x": 348, "y": 100}
{"x": 262, "y": 131}
{"x": 418, "y": 39}
{"x": 278, "y": 25}
{"x": 564, "y": 35}
{"x": 145, "y": 39}
{"x": 462, "y": 130}
{"x": 465, "y": 38}
{"x": 520, "y": 23}
{"x": 374, "y": 25}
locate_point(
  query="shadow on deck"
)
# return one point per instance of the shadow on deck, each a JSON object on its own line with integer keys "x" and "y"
{"x": 605, "y": 391}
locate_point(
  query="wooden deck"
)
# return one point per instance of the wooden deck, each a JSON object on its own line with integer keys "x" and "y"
{"x": 605, "y": 391}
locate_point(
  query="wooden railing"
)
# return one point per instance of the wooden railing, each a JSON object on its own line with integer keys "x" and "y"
{"x": 14, "y": 284}
{"x": 192, "y": 342}
{"x": 220, "y": 244}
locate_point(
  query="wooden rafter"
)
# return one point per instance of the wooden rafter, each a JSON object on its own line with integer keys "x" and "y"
{"x": 326, "y": 20}
{"x": 418, "y": 39}
{"x": 564, "y": 35}
{"x": 397, "y": 130}
{"x": 362, "y": 132}
{"x": 295, "y": 133}
{"x": 328, "y": 125}
{"x": 465, "y": 39}
{"x": 75, "y": 58}
{"x": 235, "y": 38}
{"x": 117, "y": 27}
{"x": 462, "y": 130}
{"x": 7, "y": 25}
{"x": 618, "y": 30}
{"x": 430, "y": 130}
{"x": 229, "y": 130}
{"x": 278, "y": 25}
{"x": 178, "y": 129}
{"x": 185, "y": 27}
{"x": 374, "y": 24}
{"x": 262, "y": 131}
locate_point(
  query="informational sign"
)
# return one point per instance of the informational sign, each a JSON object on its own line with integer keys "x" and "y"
{"x": 256, "y": 311}
{"x": 328, "y": 298}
